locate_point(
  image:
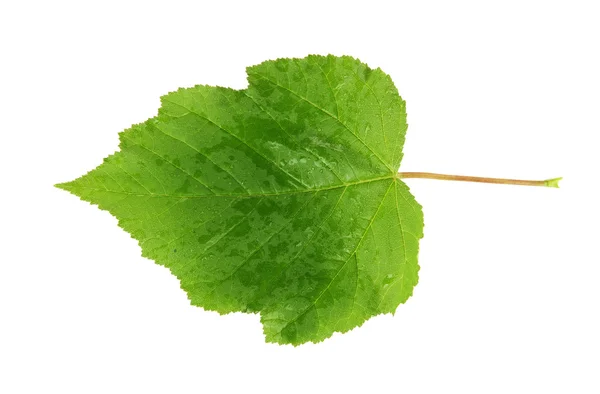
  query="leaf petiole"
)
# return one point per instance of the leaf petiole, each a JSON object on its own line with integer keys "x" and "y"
{"x": 430, "y": 175}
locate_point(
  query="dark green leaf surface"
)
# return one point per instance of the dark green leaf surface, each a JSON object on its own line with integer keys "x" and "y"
{"x": 280, "y": 199}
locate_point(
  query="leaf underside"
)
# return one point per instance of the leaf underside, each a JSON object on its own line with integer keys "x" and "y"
{"x": 280, "y": 199}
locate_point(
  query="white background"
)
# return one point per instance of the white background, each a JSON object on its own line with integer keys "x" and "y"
{"x": 508, "y": 299}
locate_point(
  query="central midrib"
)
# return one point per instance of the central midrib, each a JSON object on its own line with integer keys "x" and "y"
{"x": 240, "y": 195}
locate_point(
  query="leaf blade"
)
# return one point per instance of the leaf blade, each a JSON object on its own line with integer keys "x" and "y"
{"x": 280, "y": 199}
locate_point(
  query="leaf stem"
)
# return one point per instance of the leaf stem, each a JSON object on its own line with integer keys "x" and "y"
{"x": 430, "y": 175}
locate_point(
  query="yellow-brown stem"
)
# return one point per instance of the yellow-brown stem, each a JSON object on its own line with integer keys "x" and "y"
{"x": 430, "y": 175}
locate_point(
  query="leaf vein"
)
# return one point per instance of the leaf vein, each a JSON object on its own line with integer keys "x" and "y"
{"x": 331, "y": 115}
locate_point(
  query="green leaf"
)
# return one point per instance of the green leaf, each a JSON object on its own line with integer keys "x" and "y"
{"x": 281, "y": 199}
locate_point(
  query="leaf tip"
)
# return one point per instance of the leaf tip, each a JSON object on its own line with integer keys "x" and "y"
{"x": 552, "y": 182}
{"x": 63, "y": 186}
{"x": 66, "y": 186}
